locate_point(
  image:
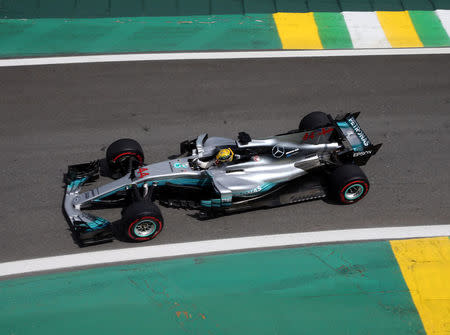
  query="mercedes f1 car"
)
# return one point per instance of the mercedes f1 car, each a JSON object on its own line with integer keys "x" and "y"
{"x": 321, "y": 158}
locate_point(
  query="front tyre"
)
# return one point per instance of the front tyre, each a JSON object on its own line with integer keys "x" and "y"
{"x": 121, "y": 152}
{"x": 348, "y": 184}
{"x": 141, "y": 221}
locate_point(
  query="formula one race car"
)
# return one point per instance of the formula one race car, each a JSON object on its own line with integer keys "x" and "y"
{"x": 216, "y": 176}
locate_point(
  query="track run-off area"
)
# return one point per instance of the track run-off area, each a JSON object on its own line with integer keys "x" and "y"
{"x": 314, "y": 28}
{"x": 60, "y": 114}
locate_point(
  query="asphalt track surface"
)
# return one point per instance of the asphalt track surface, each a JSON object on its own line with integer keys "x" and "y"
{"x": 57, "y": 115}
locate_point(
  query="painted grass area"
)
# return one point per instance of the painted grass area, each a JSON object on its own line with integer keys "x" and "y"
{"x": 335, "y": 289}
{"x": 309, "y": 30}
{"x": 107, "y": 35}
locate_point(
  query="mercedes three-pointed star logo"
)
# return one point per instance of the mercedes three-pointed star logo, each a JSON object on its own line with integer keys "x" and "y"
{"x": 278, "y": 151}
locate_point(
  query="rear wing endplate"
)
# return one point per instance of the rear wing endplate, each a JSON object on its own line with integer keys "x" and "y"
{"x": 354, "y": 138}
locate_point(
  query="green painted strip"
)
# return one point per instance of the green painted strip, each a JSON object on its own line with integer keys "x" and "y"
{"x": 336, "y": 289}
{"x": 180, "y": 33}
{"x": 333, "y": 31}
{"x": 74, "y": 36}
{"x": 429, "y": 28}
{"x": 28, "y": 36}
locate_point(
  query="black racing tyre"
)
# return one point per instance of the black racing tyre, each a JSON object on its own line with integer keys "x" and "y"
{"x": 314, "y": 120}
{"x": 120, "y": 152}
{"x": 348, "y": 184}
{"x": 141, "y": 221}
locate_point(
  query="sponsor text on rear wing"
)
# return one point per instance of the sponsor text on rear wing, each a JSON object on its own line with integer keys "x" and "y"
{"x": 354, "y": 139}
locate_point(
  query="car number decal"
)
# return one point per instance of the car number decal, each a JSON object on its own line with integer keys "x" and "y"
{"x": 142, "y": 173}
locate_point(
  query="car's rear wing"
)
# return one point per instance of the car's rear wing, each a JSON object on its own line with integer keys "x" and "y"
{"x": 354, "y": 139}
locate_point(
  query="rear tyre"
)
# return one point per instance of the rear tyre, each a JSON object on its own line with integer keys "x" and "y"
{"x": 121, "y": 153}
{"x": 141, "y": 221}
{"x": 348, "y": 184}
{"x": 314, "y": 120}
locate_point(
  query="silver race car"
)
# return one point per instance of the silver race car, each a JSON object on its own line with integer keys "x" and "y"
{"x": 217, "y": 176}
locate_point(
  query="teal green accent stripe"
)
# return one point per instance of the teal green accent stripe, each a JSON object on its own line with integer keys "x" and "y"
{"x": 184, "y": 181}
{"x": 337, "y": 289}
{"x": 333, "y": 31}
{"x": 77, "y": 36}
{"x": 262, "y": 188}
{"x": 206, "y": 203}
{"x": 429, "y": 28}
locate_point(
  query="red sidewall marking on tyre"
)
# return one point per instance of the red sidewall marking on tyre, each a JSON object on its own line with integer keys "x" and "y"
{"x": 342, "y": 192}
{"x": 128, "y": 153}
{"x": 144, "y": 238}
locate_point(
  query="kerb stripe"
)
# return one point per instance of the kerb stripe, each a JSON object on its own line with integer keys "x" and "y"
{"x": 297, "y": 30}
{"x": 425, "y": 265}
{"x": 399, "y": 29}
{"x": 365, "y": 30}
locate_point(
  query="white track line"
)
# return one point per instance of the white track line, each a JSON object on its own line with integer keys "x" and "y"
{"x": 219, "y": 55}
{"x": 224, "y": 245}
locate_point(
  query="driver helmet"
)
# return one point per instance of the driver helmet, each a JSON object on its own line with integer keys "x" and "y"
{"x": 224, "y": 156}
